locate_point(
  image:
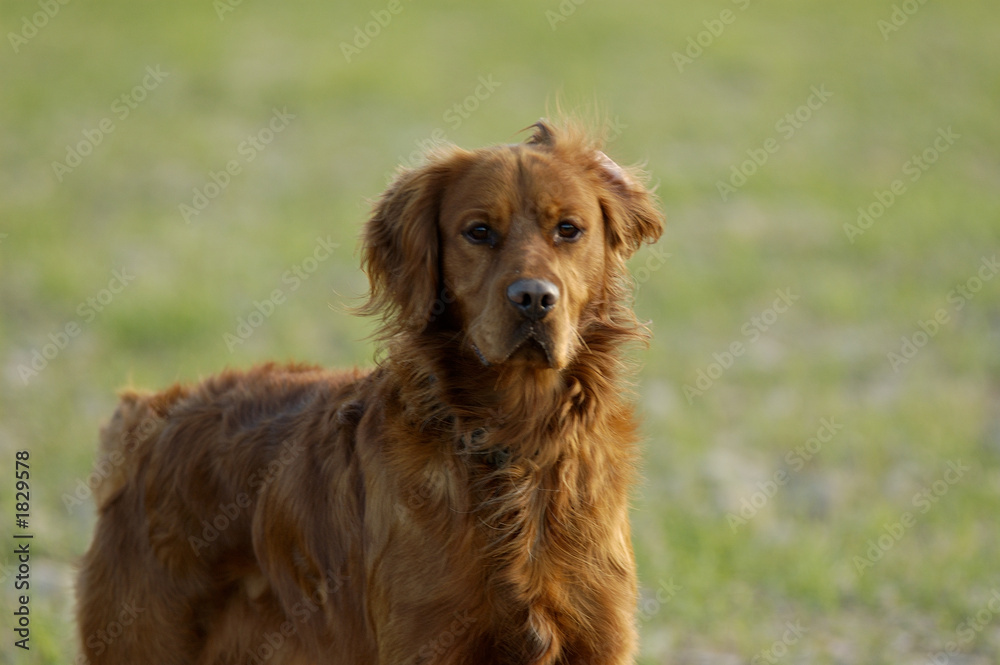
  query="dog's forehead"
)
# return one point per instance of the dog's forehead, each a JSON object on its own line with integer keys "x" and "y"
{"x": 517, "y": 176}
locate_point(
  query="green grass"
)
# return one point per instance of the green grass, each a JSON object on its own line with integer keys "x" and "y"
{"x": 825, "y": 357}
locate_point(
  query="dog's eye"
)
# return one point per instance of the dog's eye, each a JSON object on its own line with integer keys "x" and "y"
{"x": 479, "y": 234}
{"x": 568, "y": 231}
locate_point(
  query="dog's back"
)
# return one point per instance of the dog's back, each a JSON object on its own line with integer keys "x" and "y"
{"x": 173, "y": 554}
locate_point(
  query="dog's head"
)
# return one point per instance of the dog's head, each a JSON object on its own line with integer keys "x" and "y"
{"x": 517, "y": 247}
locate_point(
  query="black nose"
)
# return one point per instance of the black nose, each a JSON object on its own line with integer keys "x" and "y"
{"x": 534, "y": 298}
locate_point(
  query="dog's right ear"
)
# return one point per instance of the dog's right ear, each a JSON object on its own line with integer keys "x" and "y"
{"x": 400, "y": 245}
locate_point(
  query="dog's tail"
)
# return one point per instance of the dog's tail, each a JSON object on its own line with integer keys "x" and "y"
{"x": 136, "y": 423}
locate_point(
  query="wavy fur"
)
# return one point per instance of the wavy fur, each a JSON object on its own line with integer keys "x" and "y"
{"x": 433, "y": 510}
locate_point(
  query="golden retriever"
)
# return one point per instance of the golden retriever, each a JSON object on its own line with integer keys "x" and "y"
{"x": 465, "y": 501}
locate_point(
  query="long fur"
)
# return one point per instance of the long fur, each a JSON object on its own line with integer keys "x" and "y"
{"x": 431, "y": 510}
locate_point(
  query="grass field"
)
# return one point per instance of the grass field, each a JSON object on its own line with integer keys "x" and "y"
{"x": 822, "y": 393}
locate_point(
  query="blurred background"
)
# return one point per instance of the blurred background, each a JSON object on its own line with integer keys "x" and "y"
{"x": 182, "y": 187}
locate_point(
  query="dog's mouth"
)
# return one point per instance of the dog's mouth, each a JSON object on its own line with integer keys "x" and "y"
{"x": 530, "y": 344}
{"x": 533, "y": 351}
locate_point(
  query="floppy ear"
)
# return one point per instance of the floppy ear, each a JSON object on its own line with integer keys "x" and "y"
{"x": 630, "y": 208}
{"x": 400, "y": 247}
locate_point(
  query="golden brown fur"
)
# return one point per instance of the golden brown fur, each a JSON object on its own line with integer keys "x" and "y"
{"x": 465, "y": 501}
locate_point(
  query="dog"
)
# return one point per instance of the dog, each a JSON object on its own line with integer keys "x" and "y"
{"x": 465, "y": 501}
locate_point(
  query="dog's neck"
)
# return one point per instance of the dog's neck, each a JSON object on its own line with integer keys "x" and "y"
{"x": 509, "y": 410}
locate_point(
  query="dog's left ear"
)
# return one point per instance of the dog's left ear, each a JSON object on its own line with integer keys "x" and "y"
{"x": 630, "y": 208}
